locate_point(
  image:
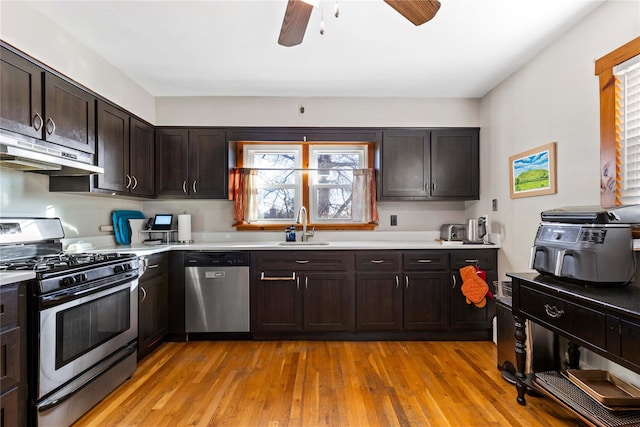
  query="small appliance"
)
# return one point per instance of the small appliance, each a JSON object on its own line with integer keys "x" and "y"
{"x": 587, "y": 244}
{"x": 453, "y": 232}
{"x": 477, "y": 230}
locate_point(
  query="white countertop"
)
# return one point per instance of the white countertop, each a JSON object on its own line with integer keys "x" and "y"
{"x": 9, "y": 277}
{"x": 142, "y": 249}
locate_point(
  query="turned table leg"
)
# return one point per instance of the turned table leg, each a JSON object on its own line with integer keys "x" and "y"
{"x": 521, "y": 358}
{"x": 573, "y": 352}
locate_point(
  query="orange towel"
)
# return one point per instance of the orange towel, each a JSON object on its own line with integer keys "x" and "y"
{"x": 473, "y": 287}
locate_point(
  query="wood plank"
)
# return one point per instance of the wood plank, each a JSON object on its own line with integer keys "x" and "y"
{"x": 322, "y": 383}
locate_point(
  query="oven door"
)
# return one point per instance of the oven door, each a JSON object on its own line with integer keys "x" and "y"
{"x": 83, "y": 330}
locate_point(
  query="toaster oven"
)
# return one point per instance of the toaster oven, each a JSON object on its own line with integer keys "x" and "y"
{"x": 453, "y": 232}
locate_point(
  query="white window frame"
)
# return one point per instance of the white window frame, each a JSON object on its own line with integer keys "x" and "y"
{"x": 314, "y": 186}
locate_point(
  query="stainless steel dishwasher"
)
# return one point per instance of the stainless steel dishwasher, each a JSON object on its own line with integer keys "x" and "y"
{"x": 216, "y": 292}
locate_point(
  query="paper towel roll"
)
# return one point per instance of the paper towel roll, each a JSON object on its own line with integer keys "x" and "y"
{"x": 184, "y": 228}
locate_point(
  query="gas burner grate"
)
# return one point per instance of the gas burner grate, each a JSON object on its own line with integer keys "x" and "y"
{"x": 581, "y": 402}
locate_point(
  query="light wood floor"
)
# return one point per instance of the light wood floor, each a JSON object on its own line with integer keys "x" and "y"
{"x": 320, "y": 383}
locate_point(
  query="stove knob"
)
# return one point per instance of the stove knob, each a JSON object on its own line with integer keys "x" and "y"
{"x": 118, "y": 269}
{"x": 67, "y": 281}
{"x": 79, "y": 278}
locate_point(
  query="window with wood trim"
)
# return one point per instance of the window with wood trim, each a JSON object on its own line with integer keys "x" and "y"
{"x": 334, "y": 181}
{"x": 619, "y": 125}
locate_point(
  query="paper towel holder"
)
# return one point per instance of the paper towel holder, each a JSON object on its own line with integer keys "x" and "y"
{"x": 184, "y": 230}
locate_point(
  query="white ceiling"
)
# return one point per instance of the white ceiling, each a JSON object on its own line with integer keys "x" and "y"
{"x": 229, "y": 48}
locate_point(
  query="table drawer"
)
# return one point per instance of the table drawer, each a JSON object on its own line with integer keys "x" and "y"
{"x": 573, "y": 319}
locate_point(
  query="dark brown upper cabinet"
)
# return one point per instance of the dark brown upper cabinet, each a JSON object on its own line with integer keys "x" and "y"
{"x": 58, "y": 111}
{"x": 20, "y": 95}
{"x": 429, "y": 164}
{"x": 191, "y": 163}
{"x": 70, "y": 115}
{"x": 125, "y": 151}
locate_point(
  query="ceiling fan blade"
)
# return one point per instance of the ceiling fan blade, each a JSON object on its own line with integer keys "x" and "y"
{"x": 295, "y": 21}
{"x": 416, "y": 11}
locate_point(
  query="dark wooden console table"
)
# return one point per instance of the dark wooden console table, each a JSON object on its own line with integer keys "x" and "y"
{"x": 605, "y": 320}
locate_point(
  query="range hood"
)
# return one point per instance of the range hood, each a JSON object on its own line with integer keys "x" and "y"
{"x": 43, "y": 158}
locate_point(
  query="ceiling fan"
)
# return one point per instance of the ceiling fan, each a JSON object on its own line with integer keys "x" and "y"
{"x": 296, "y": 16}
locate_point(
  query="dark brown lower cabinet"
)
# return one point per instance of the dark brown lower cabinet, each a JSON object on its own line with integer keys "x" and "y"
{"x": 378, "y": 301}
{"x": 153, "y": 304}
{"x": 13, "y": 390}
{"x": 302, "y": 291}
{"x": 425, "y": 300}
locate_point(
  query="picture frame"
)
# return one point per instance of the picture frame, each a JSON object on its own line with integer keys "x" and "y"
{"x": 533, "y": 172}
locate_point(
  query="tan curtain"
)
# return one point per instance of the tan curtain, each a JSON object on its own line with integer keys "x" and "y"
{"x": 243, "y": 192}
{"x": 363, "y": 205}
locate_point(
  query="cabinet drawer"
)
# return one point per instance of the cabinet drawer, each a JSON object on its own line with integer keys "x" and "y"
{"x": 8, "y": 305}
{"x": 431, "y": 260}
{"x": 378, "y": 261}
{"x": 485, "y": 259}
{"x": 156, "y": 265}
{"x": 574, "y": 319}
{"x": 304, "y": 261}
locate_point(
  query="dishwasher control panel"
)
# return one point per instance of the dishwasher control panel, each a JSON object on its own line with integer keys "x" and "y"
{"x": 216, "y": 259}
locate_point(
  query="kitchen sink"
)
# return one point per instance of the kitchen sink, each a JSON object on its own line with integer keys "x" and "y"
{"x": 312, "y": 243}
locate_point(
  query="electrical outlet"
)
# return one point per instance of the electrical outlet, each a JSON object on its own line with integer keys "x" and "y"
{"x": 494, "y": 205}
{"x": 394, "y": 220}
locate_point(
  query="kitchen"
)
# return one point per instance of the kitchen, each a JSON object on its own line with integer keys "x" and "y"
{"x": 514, "y": 116}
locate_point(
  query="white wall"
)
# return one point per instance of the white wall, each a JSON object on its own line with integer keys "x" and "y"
{"x": 26, "y": 28}
{"x": 555, "y": 97}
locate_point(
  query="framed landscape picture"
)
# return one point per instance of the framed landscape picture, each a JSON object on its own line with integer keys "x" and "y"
{"x": 533, "y": 173}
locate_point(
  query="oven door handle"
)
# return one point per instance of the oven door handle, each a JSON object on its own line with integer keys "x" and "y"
{"x": 49, "y": 404}
{"x": 57, "y": 299}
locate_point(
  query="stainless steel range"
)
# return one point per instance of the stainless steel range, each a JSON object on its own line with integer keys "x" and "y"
{"x": 82, "y": 319}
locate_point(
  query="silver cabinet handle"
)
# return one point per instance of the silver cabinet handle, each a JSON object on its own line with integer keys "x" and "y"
{"x": 135, "y": 182}
{"x": 302, "y": 261}
{"x": 128, "y": 179}
{"x": 144, "y": 293}
{"x": 454, "y": 280}
{"x": 53, "y": 126}
{"x": 298, "y": 283}
{"x": 184, "y": 187}
{"x": 377, "y": 261}
{"x": 471, "y": 261}
{"x": 553, "y": 311}
{"x": 425, "y": 261}
{"x": 40, "y": 121}
{"x": 194, "y": 187}
{"x": 263, "y": 277}
{"x": 397, "y": 281}
{"x": 433, "y": 186}
{"x": 153, "y": 266}
{"x": 306, "y": 282}
{"x": 406, "y": 282}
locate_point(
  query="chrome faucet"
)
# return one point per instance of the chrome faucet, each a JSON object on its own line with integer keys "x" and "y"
{"x": 302, "y": 219}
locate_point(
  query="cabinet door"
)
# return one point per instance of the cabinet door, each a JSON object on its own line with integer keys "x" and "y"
{"x": 172, "y": 162}
{"x": 455, "y": 163}
{"x": 426, "y": 300}
{"x": 328, "y": 302}
{"x": 152, "y": 313}
{"x": 113, "y": 148}
{"x": 208, "y": 164}
{"x": 278, "y": 302}
{"x": 405, "y": 164}
{"x": 70, "y": 115}
{"x": 20, "y": 95}
{"x": 141, "y": 158}
{"x": 378, "y": 301}
{"x": 468, "y": 316}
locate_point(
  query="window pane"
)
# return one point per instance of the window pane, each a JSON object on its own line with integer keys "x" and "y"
{"x": 338, "y": 160}
{"x": 334, "y": 203}
{"x": 276, "y": 203}
{"x": 267, "y": 177}
{"x": 273, "y": 160}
